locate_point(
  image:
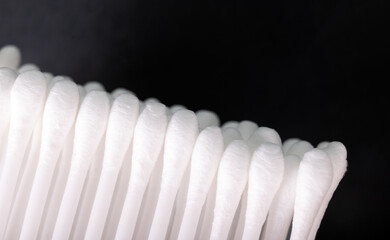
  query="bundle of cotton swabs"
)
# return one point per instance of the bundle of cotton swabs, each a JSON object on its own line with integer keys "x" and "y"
{"x": 77, "y": 162}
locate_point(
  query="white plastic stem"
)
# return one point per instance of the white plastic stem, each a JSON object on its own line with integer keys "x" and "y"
{"x": 265, "y": 175}
{"x": 338, "y": 156}
{"x": 27, "y": 99}
{"x": 148, "y": 141}
{"x": 90, "y": 127}
{"x": 181, "y": 136}
{"x": 314, "y": 179}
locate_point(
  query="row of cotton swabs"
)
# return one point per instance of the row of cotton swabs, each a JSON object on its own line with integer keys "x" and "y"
{"x": 77, "y": 162}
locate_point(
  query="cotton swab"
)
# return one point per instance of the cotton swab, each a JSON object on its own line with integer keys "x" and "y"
{"x": 26, "y": 177}
{"x": 313, "y": 181}
{"x": 10, "y": 57}
{"x": 28, "y": 67}
{"x": 176, "y": 107}
{"x": 205, "y": 223}
{"x": 27, "y": 99}
{"x": 148, "y": 207}
{"x": 118, "y": 197}
{"x": 281, "y": 210}
{"x": 148, "y": 140}
{"x": 93, "y": 86}
{"x": 205, "y": 160}
{"x": 246, "y": 129}
{"x": 80, "y": 222}
{"x": 338, "y": 156}
{"x": 288, "y": 143}
{"x": 58, "y": 117}
{"x": 207, "y": 118}
{"x": 181, "y": 135}
{"x": 57, "y": 188}
{"x": 299, "y": 148}
{"x": 231, "y": 182}
{"x": 78, "y": 163}
{"x": 260, "y": 136}
{"x": 230, "y": 134}
{"x": 323, "y": 144}
{"x": 7, "y": 79}
{"x": 90, "y": 127}
{"x": 120, "y": 128}
{"x": 263, "y": 135}
{"x": 265, "y": 175}
{"x": 117, "y": 92}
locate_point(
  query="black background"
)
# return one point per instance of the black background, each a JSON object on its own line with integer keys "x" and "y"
{"x": 315, "y": 70}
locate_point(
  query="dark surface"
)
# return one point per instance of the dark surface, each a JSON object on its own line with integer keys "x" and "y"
{"x": 310, "y": 69}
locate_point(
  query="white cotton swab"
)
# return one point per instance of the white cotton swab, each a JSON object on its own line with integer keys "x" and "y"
{"x": 263, "y": 135}
{"x": 10, "y": 57}
{"x": 118, "y": 197}
{"x": 58, "y": 117}
{"x": 282, "y": 208}
{"x": 205, "y": 161}
{"x": 230, "y": 124}
{"x": 90, "y": 127}
{"x": 148, "y": 141}
{"x": 288, "y": 143}
{"x": 149, "y": 202}
{"x": 231, "y": 181}
{"x": 26, "y": 177}
{"x": 299, "y": 148}
{"x": 121, "y": 123}
{"x": 117, "y": 92}
{"x": 28, "y": 67}
{"x": 207, "y": 118}
{"x": 87, "y": 196}
{"x": 180, "y": 139}
{"x": 323, "y": 144}
{"x": 205, "y": 222}
{"x": 313, "y": 181}
{"x": 265, "y": 175}
{"x": 338, "y": 156}
{"x": 93, "y": 86}
{"x": 7, "y": 79}
{"x": 176, "y": 107}
{"x": 258, "y": 137}
{"x": 57, "y": 188}
{"x": 230, "y": 134}
{"x": 27, "y": 99}
{"x": 247, "y": 128}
